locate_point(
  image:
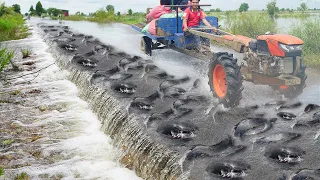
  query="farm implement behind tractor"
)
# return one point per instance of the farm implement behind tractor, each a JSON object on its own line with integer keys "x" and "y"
{"x": 270, "y": 59}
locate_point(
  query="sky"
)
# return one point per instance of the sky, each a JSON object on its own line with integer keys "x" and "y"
{"x": 87, "y": 6}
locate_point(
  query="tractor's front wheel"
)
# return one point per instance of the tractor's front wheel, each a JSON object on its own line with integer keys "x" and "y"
{"x": 225, "y": 79}
{"x": 293, "y": 91}
{"x": 146, "y": 45}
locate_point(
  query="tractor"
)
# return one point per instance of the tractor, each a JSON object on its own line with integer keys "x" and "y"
{"x": 269, "y": 59}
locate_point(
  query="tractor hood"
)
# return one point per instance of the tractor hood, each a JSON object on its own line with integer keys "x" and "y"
{"x": 282, "y": 38}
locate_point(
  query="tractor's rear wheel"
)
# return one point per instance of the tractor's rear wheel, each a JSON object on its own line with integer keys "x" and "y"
{"x": 225, "y": 79}
{"x": 294, "y": 91}
{"x": 146, "y": 45}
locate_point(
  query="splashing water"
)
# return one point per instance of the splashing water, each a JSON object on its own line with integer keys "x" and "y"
{"x": 69, "y": 143}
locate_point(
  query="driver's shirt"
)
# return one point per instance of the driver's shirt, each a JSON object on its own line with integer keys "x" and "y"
{"x": 193, "y": 17}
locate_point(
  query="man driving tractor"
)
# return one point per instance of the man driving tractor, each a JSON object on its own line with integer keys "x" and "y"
{"x": 191, "y": 19}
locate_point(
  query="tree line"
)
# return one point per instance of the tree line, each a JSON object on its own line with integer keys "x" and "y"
{"x": 39, "y": 10}
{"x": 271, "y": 8}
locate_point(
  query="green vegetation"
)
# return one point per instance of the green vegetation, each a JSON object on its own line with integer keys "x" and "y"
{"x": 54, "y": 12}
{"x": 26, "y": 53}
{"x": 5, "y": 58}
{"x": 108, "y": 16}
{"x": 244, "y": 7}
{"x": 7, "y": 142}
{"x": 16, "y": 8}
{"x": 292, "y": 14}
{"x": 249, "y": 24}
{"x": 11, "y": 24}
{"x": 11, "y": 27}
{"x": 303, "y": 7}
{"x": 307, "y": 31}
{"x": 272, "y": 8}
{"x": 39, "y": 9}
{"x": 22, "y": 176}
{"x": 1, "y": 172}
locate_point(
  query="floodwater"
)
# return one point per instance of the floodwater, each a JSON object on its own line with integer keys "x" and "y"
{"x": 67, "y": 141}
{"x": 88, "y": 153}
{"x": 126, "y": 39}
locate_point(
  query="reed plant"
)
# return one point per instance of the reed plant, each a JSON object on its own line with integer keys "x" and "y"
{"x": 12, "y": 27}
{"x": 249, "y": 24}
{"x": 75, "y": 18}
{"x": 1, "y": 172}
{"x": 5, "y": 58}
{"x": 308, "y": 30}
{"x": 26, "y": 53}
{"x": 299, "y": 15}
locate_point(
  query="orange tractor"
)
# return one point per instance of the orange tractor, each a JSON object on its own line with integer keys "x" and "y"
{"x": 270, "y": 59}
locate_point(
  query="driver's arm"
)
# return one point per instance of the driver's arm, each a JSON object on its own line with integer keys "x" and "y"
{"x": 185, "y": 25}
{"x": 205, "y": 22}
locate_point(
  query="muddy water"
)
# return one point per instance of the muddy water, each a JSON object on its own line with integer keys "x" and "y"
{"x": 126, "y": 39}
{"x": 46, "y": 130}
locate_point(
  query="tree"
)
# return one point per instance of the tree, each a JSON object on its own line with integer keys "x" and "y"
{"x": 39, "y": 8}
{"x": 31, "y": 10}
{"x": 5, "y": 10}
{"x": 218, "y": 10}
{"x": 244, "y": 7}
{"x": 16, "y": 8}
{"x": 54, "y": 12}
{"x": 118, "y": 13}
{"x": 303, "y": 7}
{"x": 110, "y": 8}
{"x": 130, "y": 12}
{"x": 272, "y": 8}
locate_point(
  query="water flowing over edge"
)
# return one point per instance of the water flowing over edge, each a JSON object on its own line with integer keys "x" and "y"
{"x": 150, "y": 160}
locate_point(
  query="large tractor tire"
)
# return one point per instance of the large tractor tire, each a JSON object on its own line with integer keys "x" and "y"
{"x": 294, "y": 91}
{"x": 225, "y": 79}
{"x": 146, "y": 45}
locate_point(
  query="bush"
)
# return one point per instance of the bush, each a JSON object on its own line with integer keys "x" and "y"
{"x": 22, "y": 176}
{"x": 308, "y": 32}
{"x": 26, "y": 53}
{"x": 75, "y": 18}
{"x": 11, "y": 24}
{"x": 5, "y": 57}
{"x": 249, "y": 24}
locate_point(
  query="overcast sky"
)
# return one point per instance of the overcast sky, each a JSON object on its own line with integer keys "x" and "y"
{"x": 87, "y": 6}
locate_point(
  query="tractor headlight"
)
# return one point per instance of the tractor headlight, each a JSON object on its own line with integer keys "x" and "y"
{"x": 290, "y": 48}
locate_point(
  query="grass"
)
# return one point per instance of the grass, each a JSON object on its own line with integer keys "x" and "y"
{"x": 7, "y": 142}
{"x": 107, "y": 18}
{"x": 308, "y": 32}
{"x": 249, "y": 24}
{"x": 1, "y": 172}
{"x": 12, "y": 27}
{"x": 134, "y": 19}
{"x": 294, "y": 14}
{"x": 5, "y": 58}
{"x": 75, "y": 18}
{"x": 22, "y": 176}
{"x": 26, "y": 53}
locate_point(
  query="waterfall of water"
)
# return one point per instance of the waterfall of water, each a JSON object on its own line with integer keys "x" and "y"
{"x": 149, "y": 159}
